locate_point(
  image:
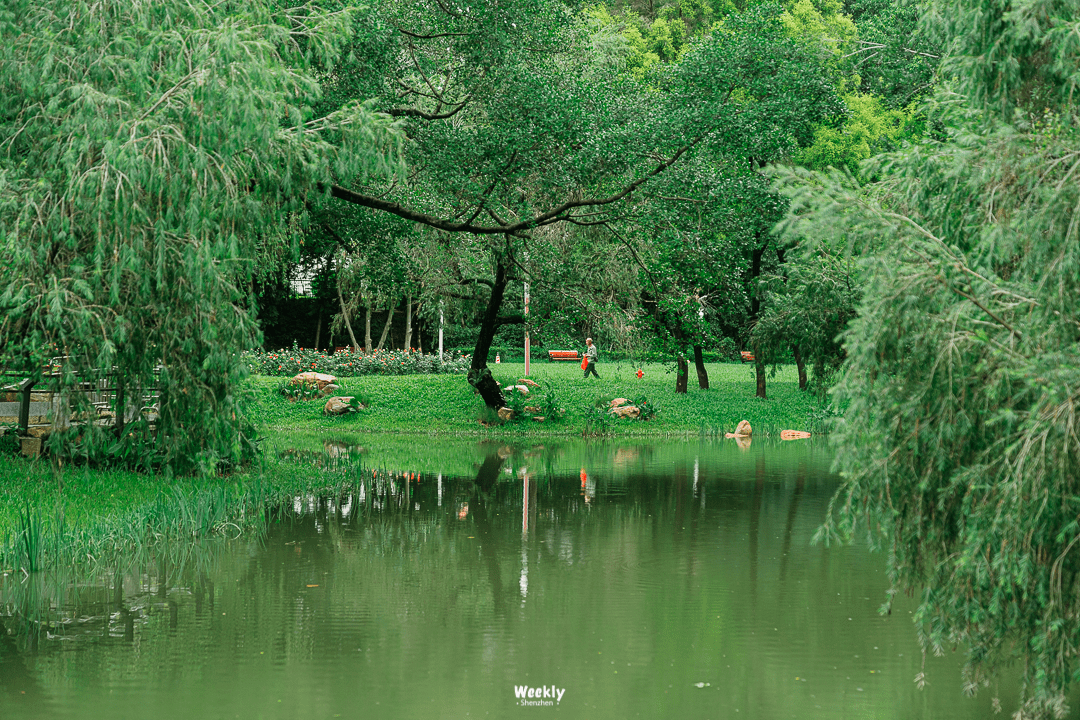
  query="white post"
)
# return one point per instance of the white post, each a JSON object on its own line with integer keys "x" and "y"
{"x": 440, "y": 331}
{"x": 526, "y": 329}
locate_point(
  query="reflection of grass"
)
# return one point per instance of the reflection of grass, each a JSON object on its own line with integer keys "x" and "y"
{"x": 101, "y": 520}
{"x": 445, "y": 404}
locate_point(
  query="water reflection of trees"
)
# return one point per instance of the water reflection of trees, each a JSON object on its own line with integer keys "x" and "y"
{"x": 518, "y": 491}
{"x": 109, "y": 602}
{"x": 363, "y": 550}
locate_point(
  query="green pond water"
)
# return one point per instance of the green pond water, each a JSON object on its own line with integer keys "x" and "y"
{"x": 671, "y": 580}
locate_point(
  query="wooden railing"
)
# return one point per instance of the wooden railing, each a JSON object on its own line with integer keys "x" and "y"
{"x": 103, "y": 391}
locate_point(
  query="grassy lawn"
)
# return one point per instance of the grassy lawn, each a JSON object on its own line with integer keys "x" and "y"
{"x": 446, "y": 404}
{"x": 84, "y": 515}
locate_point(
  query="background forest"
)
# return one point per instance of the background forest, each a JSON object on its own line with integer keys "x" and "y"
{"x": 883, "y": 193}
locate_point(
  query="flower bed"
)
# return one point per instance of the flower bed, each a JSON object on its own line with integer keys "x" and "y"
{"x": 346, "y": 363}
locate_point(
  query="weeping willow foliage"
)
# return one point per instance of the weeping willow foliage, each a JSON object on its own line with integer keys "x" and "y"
{"x": 152, "y": 156}
{"x": 960, "y": 445}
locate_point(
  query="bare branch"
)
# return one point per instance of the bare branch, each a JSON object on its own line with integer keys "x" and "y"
{"x": 413, "y": 112}
{"x": 554, "y": 215}
{"x": 403, "y": 31}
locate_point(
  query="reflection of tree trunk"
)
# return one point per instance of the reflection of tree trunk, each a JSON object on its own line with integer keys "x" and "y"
{"x": 691, "y": 541}
{"x": 699, "y": 364}
{"x": 755, "y": 519}
{"x": 488, "y": 474}
{"x": 486, "y": 478}
{"x": 793, "y": 508}
{"x": 679, "y": 487}
{"x": 683, "y": 375}
{"x": 800, "y": 363}
{"x": 479, "y": 375}
{"x": 408, "y": 323}
{"x": 367, "y": 327}
{"x": 386, "y": 327}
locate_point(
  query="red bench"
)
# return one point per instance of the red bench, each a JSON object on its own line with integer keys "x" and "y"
{"x": 555, "y": 355}
{"x": 746, "y": 356}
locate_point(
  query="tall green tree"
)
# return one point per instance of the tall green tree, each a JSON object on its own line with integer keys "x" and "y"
{"x": 806, "y": 306}
{"x": 518, "y": 122}
{"x": 961, "y": 391}
{"x": 894, "y": 59}
{"x": 151, "y": 156}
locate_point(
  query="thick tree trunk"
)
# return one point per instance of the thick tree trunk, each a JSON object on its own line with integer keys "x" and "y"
{"x": 386, "y": 327}
{"x": 479, "y": 375}
{"x": 408, "y": 323}
{"x": 683, "y": 375}
{"x": 318, "y": 329}
{"x": 759, "y": 368}
{"x": 699, "y": 365}
{"x": 800, "y": 363}
{"x": 755, "y": 311}
{"x": 367, "y": 328}
{"x": 345, "y": 318}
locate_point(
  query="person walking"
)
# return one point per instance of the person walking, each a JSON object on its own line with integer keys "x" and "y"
{"x": 590, "y": 357}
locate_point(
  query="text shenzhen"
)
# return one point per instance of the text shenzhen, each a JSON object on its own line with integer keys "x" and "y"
{"x": 541, "y": 696}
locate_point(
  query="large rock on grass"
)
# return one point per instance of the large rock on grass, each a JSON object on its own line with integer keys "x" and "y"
{"x": 742, "y": 430}
{"x": 319, "y": 380}
{"x": 339, "y": 405}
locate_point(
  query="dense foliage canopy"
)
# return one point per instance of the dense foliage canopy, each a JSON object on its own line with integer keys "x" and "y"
{"x": 151, "y": 155}
{"x": 959, "y": 445}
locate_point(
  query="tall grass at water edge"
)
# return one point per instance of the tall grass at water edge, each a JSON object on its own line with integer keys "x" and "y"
{"x": 91, "y": 518}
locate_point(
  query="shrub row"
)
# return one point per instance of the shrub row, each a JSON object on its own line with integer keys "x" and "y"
{"x": 345, "y": 363}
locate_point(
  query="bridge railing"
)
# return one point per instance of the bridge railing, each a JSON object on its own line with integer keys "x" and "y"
{"x": 102, "y": 392}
